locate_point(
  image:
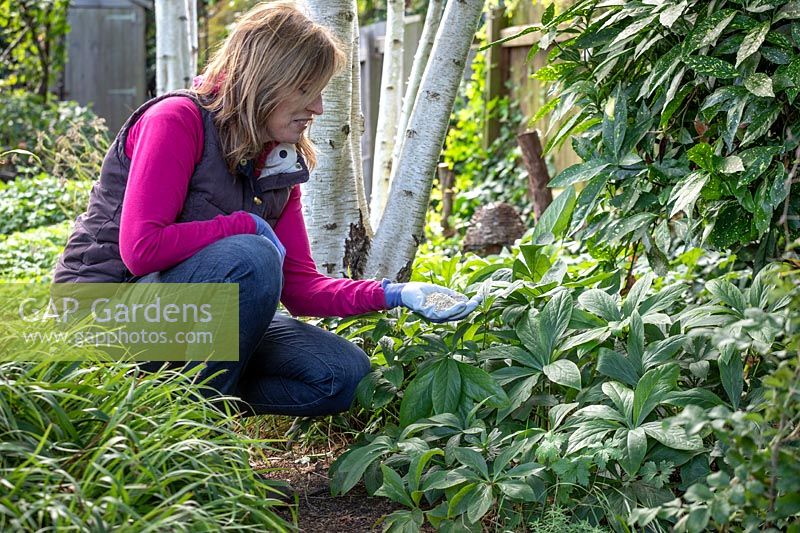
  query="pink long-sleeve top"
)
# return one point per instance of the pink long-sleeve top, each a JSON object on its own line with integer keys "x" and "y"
{"x": 164, "y": 146}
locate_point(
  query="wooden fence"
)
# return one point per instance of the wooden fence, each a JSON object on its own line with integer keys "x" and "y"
{"x": 509, "y": 73}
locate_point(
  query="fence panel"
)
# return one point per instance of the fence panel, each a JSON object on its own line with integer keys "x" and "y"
{"x": 531, "y": 93}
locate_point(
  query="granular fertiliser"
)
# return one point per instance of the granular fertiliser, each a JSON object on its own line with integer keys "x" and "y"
{"x": 441, "y": 301}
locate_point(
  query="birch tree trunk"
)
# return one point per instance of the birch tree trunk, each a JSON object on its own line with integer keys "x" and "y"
{"x": 173, "y": 48}
{"x": 402, "y": 226}
{"x": 335, "y": 222}
{"x": 357, "y": 129}
{"x": 388, "y": 110}
{"x": 191, "y": 27}
{"x": 429, "y": 28}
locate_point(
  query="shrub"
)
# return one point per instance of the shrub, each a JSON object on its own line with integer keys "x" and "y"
{"x": 685, "y": 115}
{"x": 41, "y": 200}
{"x": 757, "y": 486}
{"x": 32, "y": 33}
{"x": 69, "y": 140}
{"x": 31, "y": 255}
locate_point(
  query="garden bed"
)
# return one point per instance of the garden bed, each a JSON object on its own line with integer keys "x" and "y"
{"x": 309, "y": 485}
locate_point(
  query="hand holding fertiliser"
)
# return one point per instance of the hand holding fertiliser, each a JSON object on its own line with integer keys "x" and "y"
{"x": 434, "y": 302}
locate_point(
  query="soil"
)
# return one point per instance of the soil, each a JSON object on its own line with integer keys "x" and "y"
{"x": 317, "y": 510}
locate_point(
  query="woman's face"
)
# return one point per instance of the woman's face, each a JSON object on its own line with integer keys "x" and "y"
{"x": 292, "y": 116}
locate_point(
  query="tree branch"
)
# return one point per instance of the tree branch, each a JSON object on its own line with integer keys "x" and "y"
{"x": 11, "y": 46}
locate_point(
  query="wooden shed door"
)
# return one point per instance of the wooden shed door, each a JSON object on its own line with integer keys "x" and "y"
{"x": 106, "y": 61}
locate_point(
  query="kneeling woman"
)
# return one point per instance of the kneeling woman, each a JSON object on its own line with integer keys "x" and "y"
{"x": 203, "y": 186}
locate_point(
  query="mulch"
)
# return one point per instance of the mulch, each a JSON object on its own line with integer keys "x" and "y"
{"x": 318, "y": 511}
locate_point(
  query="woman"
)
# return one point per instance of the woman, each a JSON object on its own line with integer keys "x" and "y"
{"x": 203, "y": 186}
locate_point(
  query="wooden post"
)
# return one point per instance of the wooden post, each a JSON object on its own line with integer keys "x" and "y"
{"x": 446, "y": 178}
{"x": 494, "y": 72}
{"x": 538, "y": 177}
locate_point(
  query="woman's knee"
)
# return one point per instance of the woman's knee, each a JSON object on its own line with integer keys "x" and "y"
{"x": 353, "y": 366}
{"x": 254, "y": 263}
{"x": 251, "y": 253}
{"x": 360, "y": 364}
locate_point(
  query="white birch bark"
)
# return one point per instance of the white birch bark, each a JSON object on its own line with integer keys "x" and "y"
{"x": 388, "y": 108}
{"x": 330, "y": 202}
{"x": 402, "y": 227}
{"x": 173, "y": 56}
{"x": 357, "y": 128}
{"x": 429, "y": 29}
{"x": 191, "y": 26}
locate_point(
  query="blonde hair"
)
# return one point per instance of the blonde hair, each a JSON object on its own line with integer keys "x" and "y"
{"x": 273, "y": 50}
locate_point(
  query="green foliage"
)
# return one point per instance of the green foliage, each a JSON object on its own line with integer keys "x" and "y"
{"x": 684, "y": 114}
{"x": 570, "y": 386}
{"x": 757, "y": 486}
{"x": 483, "y": 175}
{"x": 31, "y": 255}
{"x": 99, "y": 446}
{"x": 32, "y": 34}
{"x": 26, "y": 116}
{"x": 39, "y": 201}
{"x": 68, "y": 139}
{"x": 557, "y": 520}
{"x": 221, "y": 16}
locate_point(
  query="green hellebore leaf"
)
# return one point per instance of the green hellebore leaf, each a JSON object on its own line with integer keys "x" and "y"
{"x": 393, "y": 487}
{"x": 481, "y": 501}
{"x": 472, "y": 459}
{"x": 600, "y": 303}
{"x": 564, "y": 372}
{"x": 554, "y": 320}
{"x": 417, "y": 402}
{"x": 652, "y": 389}
{"x": 617, "y": 367}
{"x": 446, "y": 392}
{"x": 480, "y": 386}
{"x": 731, "y": 373}
{"x": 634, "y": 451}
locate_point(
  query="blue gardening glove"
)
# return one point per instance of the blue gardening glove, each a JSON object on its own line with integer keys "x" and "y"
{"x": 436, "y": 303}
{"x": 264, "y": 229}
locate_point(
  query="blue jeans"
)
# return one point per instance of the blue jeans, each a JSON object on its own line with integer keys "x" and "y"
{"x": 285, "y": 366}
